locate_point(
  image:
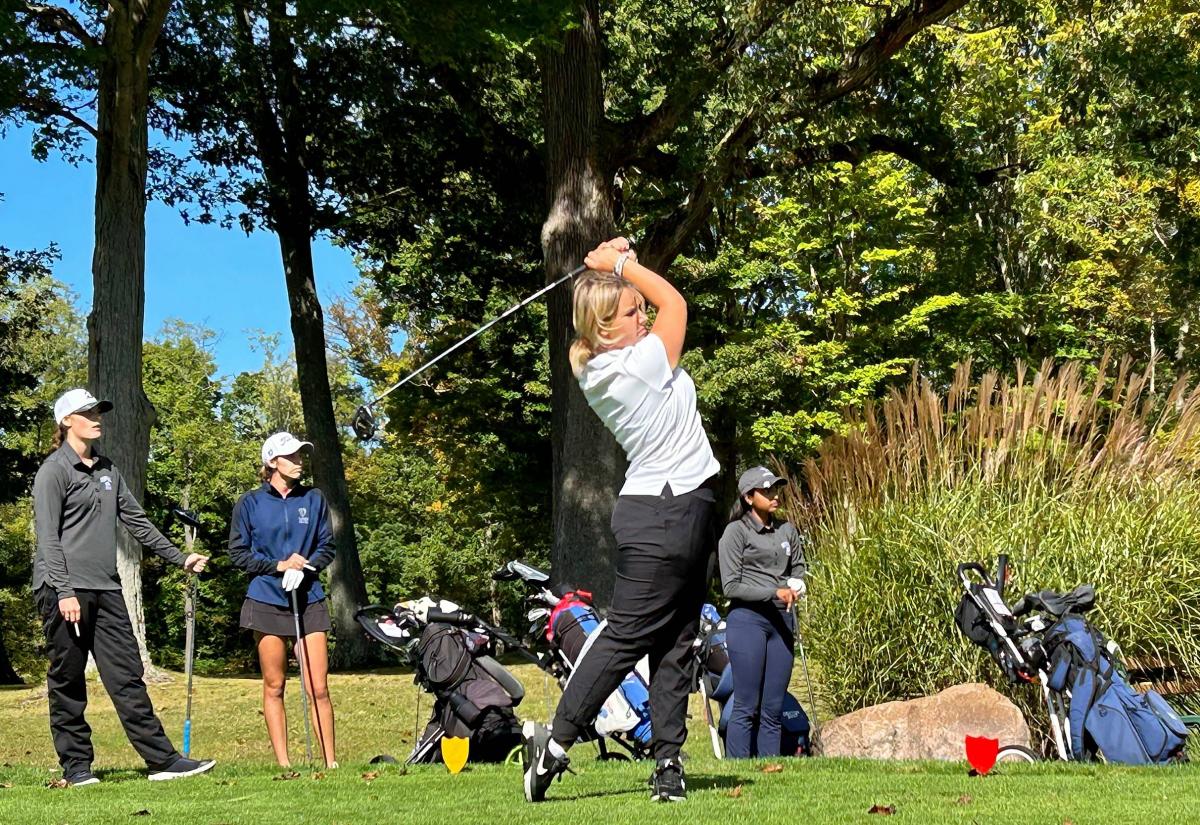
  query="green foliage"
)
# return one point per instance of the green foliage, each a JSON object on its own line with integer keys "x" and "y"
{"x": 1079, "y": 474}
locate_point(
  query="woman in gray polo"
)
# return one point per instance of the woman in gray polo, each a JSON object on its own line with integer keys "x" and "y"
{"x": 78, "y": 498}
{"x": 762, "y": 566}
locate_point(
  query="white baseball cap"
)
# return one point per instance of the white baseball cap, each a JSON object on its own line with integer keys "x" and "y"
{"x": 282, "y": 444}
{"x": 78, "y": 400}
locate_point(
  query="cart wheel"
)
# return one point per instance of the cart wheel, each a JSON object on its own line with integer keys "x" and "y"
{"x": 516, "y": 756}
{"x": 1016, "y": 753}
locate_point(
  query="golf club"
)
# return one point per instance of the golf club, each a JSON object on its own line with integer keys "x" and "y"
{"x": 364, "y": 422}
{"x": 191, "y": 524}
{"x": 302, "y": 661}
{"x": 812, "y": 705}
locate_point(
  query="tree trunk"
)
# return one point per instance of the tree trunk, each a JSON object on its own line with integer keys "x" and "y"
{"x": 347, "y": 589}
{"x": 280, "y": 138}
{"x": 119, "y": 264}
{"x": 588, "y": 463}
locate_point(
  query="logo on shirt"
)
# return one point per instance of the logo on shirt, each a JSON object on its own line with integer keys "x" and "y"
{"x": 106, "y": 481}
{"x": 787, "y": 546}
{"x": 303, "y": 511}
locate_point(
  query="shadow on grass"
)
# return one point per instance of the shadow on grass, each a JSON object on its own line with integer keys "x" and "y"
{"x": 700, "y": 782}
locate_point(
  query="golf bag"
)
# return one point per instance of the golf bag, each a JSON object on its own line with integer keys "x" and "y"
{"x": 715, "y": 680}
{"x": 450, "y": 653}
{"x": 572, "y": 626}
{"x": 568, "y": 621}
{"x": 1045, "y": 638}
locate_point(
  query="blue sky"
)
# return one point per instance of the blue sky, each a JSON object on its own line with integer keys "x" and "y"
{"x": 221, "y": 278}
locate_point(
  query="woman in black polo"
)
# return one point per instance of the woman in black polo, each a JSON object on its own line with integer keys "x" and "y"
{"x": 78, "y": 498}
{"x": 762, "y": 567}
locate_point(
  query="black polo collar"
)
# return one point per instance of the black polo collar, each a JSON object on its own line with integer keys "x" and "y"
{"x": 67, "y": 454}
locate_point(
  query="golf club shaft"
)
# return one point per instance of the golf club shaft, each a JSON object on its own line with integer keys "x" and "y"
{"x": 812, "y": 705}
{"x": 189, "y": 610}
{"x": 576, "y": 271}
{"x": 302, "y": 661}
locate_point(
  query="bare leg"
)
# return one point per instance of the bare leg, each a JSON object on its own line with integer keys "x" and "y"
{"x": 272, "y": 659}
{"x": 316, "y": 682}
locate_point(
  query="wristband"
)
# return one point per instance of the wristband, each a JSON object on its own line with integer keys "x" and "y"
{"x": 619, "y": 267}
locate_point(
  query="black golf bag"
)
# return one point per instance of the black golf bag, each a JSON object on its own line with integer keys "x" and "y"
{"x": 450, "y": 652}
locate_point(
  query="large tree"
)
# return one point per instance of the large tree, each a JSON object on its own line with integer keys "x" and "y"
{"x": 85, "y": 73}
{"x": 260, "y": 88}
{"x": 650, "y": 115}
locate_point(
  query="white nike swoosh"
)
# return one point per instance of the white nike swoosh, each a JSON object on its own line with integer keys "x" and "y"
{"x": 542, "y": 770}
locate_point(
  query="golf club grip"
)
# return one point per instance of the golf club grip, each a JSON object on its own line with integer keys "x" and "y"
{"x": 187, "y": 738}
{"x": 458, "y": 617}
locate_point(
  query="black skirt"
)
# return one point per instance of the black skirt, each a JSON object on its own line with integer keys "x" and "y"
{"x": 274, "y": 620}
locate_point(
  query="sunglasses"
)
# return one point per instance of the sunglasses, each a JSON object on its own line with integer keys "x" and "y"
{"x": 770, "y": 492}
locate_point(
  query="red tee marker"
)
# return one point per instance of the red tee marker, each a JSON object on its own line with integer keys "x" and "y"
{"x": 981, "y": 753}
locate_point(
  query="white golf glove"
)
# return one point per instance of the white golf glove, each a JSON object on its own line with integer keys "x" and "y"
{"x": 292, "y": 579}
{"x": 798, "y": 587}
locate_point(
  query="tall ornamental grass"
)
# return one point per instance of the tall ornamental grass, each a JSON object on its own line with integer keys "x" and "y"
{"x": 1079, "y": 473}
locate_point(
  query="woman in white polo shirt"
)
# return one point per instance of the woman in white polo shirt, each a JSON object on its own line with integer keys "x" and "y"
{"x": 662, "y": 522}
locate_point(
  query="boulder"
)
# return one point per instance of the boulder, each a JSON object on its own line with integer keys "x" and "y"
{"x": 932, "y": 727}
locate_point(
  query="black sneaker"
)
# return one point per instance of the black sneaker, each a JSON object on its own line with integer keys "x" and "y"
{"x": 666, "y": 783}
{"x": 182, "y": 767}
{"x": 541, "y": 766}
{"x": 81, "y": 778}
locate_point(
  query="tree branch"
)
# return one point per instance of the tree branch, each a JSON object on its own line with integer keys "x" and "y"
{"x": 56, "y": 19}
{"x": 893, "y": 35}
{"x": 667, "y": 236}
{"x": 632, "y": 140}
{"x": 937, "y": 161}
{"x": 52, "y": 108}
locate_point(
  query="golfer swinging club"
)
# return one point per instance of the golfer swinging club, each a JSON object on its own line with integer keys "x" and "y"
{"x": 78, "y": 498}
{"x": 662, "y": 521}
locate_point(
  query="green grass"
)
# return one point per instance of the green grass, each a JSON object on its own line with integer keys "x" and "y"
{"x": 375, "y": 715}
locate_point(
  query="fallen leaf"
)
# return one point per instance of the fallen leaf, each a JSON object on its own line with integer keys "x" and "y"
{"x": 371, "y": 776}
{"x": 965, "y": 799}
{"x": 736, "y": 792}
{"x": 142, "y": 812}
{"x": 319, "y": 775}
{"x": 286, "y": 775}
{"x": 774, "y": 767}
{"x": 5, "y": 784}
{"x": 882, "y": 810}
{"x": 1068, "y": 822}
{"x": 58, "y": 783}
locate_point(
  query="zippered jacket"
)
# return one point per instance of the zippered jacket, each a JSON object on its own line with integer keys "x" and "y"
{"x": 267, "y": 528}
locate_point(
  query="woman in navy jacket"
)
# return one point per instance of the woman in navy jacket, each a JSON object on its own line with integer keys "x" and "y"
{"x": 281, "y": 535}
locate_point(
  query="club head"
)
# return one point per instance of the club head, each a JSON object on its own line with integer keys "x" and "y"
{"x": 537, "y": 614}
{"x": 188, "y": 518}
{"x": 514, "y": 570}
{"x": 364, "y": 423}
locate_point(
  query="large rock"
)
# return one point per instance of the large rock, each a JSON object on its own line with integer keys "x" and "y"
{"x": 932, "y": 727}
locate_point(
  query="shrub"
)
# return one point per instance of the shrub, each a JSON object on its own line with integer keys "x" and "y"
{"x": 1080, "y": 474}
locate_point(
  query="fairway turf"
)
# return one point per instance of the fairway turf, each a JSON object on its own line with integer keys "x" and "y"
{"x": 375, "y": 715}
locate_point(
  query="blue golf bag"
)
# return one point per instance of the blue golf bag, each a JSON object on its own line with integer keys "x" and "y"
{"x": 1106, "y": 714}
{"x": 717, "y": 672}
{"x": 625, "y": 716}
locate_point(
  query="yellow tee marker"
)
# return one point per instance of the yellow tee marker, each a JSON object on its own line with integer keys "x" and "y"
{"x": 454, "y": 752}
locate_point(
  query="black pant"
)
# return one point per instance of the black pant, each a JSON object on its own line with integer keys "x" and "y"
{"x": 105, "y": 632}
{"x": 662, "y": 574}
